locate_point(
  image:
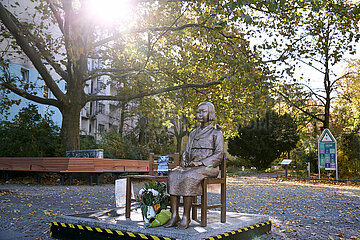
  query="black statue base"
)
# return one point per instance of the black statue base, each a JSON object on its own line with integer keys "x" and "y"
{"x": 112, "y": 224}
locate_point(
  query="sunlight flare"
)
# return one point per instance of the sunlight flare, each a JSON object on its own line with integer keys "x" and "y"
{"x": 111, "y": 12}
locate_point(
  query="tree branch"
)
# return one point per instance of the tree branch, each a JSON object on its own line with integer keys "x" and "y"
{"x": 150, "y": 48}
{"x": 56, "y": 15}
{"x": 310, "y": 65}
{"x": 29, "y": 51}
{"x": 142, "y": 30}
{"x": 114, "y": 76}
{"x": 297, "y": 107}
{"x": 67, "y": 7}
{"x": 43, "y": 52}
{"x": 269, "y": 12}
{"x": 117, "y": 73}
{"x": 343, "y": 76}
{"x": 156, "y": 91}
{"x": 24, "y": 94}
{"x": 288, "y": 50}
{"x": 319, "y": 97}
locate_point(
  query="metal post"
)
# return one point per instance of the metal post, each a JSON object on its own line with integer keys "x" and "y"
{"x": 319, "y": 167}
{"x": 337, "y": 175}
{"x": 62, "y": 179}
{"x": 286, "y": 173}
{"x": 97, "y": 178}
{"x": 336, "y": 162}
{"x": 70, "y": 179}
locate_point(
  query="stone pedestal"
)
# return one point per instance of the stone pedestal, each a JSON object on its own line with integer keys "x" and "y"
{"x": 112, "y": 224}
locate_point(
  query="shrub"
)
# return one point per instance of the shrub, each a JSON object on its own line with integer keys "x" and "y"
{"x": 30, "y": 135}
{"x": 116, "y": 146}
{"x": 348, "y": 156}
{"x": 265, "y": 139}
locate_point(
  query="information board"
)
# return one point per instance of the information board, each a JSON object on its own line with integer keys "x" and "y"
{"x": 327, "y": 156}
{"x": 286, "y": 161}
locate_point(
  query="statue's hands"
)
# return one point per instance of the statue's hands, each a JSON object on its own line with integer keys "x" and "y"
{"x": 195, "y": 164}
{"x": 192, "y": 164}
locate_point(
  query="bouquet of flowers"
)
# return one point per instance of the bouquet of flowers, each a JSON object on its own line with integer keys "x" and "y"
{"x": 153, "y": 198}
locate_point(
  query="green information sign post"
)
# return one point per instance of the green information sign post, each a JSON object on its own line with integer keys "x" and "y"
{"x": 327, "y": 152}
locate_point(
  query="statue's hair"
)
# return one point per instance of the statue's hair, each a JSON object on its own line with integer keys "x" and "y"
{"x": 211, "y": 110}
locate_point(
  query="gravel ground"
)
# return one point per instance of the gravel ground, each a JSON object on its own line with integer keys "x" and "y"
{"x": 298, "y": 210}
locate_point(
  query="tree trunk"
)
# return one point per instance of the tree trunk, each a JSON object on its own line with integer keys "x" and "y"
{"x": 180, "y": 131}
{"x": 327, "y": 114}
{"x": 327, "y": 100}
{"x": 142, "y": 130}
{"x": 327, "y": 85}
{"x": 122, "y": 119}
{"x": 70, "y": 129}
{"x": 178, "y": 144}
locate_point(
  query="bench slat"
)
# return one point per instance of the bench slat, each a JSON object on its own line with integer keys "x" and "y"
{"x": 73, "y": 165}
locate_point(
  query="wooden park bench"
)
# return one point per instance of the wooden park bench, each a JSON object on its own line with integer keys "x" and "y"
{"x": 67, "y": 166}
{"x": 97, "y": 166}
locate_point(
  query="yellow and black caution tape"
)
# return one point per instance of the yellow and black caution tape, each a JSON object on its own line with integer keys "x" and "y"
{"x": 110, "y": 231}
{"x": 237, "y": 231}
{"x": 152, "y": 237}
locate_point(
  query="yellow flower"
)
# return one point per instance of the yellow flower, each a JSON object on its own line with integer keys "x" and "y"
{"x": 156, "y": 206}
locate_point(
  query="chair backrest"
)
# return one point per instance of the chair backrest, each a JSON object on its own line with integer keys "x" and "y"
{"x": 222, "y": 166}
{"x": 174, "y": 161}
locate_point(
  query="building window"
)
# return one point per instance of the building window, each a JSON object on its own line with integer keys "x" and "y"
{"x": 24, "y": 75}
{"x": 101, "y": 128}
{"x": 101, "y": 108}
{"x": 101, "y": 86}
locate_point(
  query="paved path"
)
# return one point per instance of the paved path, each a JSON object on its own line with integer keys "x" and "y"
{"x": 298, "y": 211}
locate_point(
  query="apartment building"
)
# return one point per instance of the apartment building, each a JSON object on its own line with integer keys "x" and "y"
{"x": 99, "y": 116}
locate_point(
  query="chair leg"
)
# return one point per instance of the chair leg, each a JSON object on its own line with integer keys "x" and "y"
{"x": 223, "y": 202}
{"x": 128, "y": 197}
{"x": 194, "y": 208}
{"x": 204, "y": 204}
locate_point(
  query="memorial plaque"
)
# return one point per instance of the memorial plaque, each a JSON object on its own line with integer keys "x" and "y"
{"x": 163, "y": 166}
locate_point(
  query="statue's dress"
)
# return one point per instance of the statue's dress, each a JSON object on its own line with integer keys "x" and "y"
{"x": 204, "y": 146}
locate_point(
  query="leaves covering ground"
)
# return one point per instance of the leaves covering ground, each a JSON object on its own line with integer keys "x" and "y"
{"x": 298, "y": 210}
